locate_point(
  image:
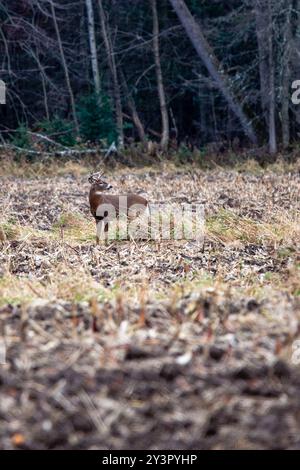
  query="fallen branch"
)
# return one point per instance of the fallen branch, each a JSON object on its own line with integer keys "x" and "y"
{"x": 47, "y": 139}
{"x": 63, "y": 153}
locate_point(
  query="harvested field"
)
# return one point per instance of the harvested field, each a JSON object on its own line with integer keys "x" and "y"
{"x": 146, "y": 345}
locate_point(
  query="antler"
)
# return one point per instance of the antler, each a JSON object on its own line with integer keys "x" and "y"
{"x": 94, "y": 177}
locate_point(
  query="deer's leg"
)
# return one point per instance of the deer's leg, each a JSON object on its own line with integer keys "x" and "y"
{"x": 106, "y": 232}
{"x": 99, "y": 231}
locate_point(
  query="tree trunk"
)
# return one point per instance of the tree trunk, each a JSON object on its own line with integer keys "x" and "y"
{"x": 114, "y": 73}
{"x": 134, "y": 114}
{"x": 286, "y": 75}
{"x": 35, "y": 55}
{"x": 209, "y": 59}
{"x": 45, "y": 95}
{"x": 65, "y": 66}
{"x": 93, "y": 48}
{"x": 272, "y": 121}
{"x": 295, "y": 59}
{"x": 160, "y": 85}
{"x": 264, "y": 32}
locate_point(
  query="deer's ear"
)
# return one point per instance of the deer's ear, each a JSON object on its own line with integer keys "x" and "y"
{"x": 91, "y": 179}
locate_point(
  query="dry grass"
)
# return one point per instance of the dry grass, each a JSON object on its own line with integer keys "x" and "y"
{"x": 23, "y": 168}
{"x": 227, "y": 226}
{"x": 19, "y": 165}
{"x": 69, "y": 240}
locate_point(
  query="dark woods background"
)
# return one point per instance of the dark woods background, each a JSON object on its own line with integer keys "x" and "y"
{"x": 196, "y": 74}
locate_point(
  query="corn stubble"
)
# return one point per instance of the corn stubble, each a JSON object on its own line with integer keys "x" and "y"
{"x": 140, "y": 344}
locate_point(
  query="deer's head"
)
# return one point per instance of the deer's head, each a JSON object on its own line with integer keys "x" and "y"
{"x": 96, "y": 179}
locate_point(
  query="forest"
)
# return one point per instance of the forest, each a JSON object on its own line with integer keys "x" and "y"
{"x": 200, "y": 74}
{"x": 149, "y": 225}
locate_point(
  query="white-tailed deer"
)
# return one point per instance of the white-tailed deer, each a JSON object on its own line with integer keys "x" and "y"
{"x": 108, "y": 207}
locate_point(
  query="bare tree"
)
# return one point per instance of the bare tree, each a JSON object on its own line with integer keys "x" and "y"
{"x": 93, "y": 48}
{"x": 65, "y": 66}
{"x": 264, "y": 31}
{"x": 133, "y": 111}
{"x": 34, "y": 53}
{"x": 295, "y": 59}
{"x": 272, "y": 98}
{"x": 209, "y": 59}
{"x": 286, "y": 73}
{"x": 160, "y": 84}
{"x": 114, "y": 73}
{"x": 49, "y": 47}
{"x": 42, "y": 73}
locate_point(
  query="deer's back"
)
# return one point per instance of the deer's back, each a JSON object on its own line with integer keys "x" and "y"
{"x": 120, "y": 202}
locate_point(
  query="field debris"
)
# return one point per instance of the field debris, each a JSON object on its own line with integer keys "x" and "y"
{"x": 146, "y": 344}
